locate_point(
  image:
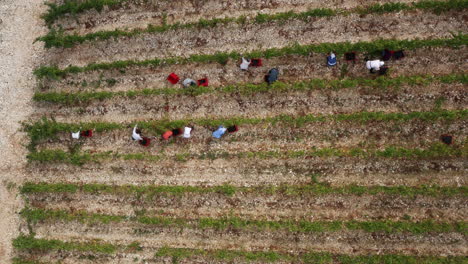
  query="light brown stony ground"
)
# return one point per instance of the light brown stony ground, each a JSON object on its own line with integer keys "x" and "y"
{"x": 20, "y": 24}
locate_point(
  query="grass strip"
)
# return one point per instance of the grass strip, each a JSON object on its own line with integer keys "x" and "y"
{"x": 75, "y": 7}
{"x": 29, "y": 243}
{"x": 228, "y": 223}
{"x": 233, "y": 256}
{"x": 58, "y": 38}
{"x": 48, "y": 128}
{"x": 178, "y": 254}
{"x": 76, "y": 157}
{"x": 151, "y": 191}
{"x": 53, "y": 72}
{"x": 247, "y": 89}
{"x": 436, "y": 150}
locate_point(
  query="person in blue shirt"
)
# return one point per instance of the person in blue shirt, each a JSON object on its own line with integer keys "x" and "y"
{"x": 331, "y": 60}
{"x": 218, "y": 133}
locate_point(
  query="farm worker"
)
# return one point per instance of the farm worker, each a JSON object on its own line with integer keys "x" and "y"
{"x": 176, "y": 132}
{"x": 272, "y": 76}
{"x": 76, "y": 135}
{"x": 232, "y": 129}
{"x": 331, "y": 60}
{"x": 374, "y": 65}
{"x": 187, "y": 131}
{"x": 189, "y": 82}
{"x": 219, "y": 132}
{"x": 136, "y": 134}
{"x": 166, "y": 135}
{"x": 245, "y": 64}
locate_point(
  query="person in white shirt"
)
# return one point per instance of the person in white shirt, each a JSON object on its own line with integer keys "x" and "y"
{"x": 245, "y": 64}
{"x": 187, "y": 131}
{"x": 189, "y": 82}
{"x": 374, "y": 65}
{"x": 76, "y": 135}
{"x": 136, "y": 134}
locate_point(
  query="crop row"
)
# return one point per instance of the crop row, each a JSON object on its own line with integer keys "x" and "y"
{"x": 437, "y": 150}
{"x": 58, "y": 39}
{"x": 74, "y": 7}
{"x": 179, "y": 254}
{"x": 39, "y": 215}
{"x": 49, "y": 128}
{"x": 54, "y": 72}
{"x": 245, "y": 89}
{"x": 150, "y": 191}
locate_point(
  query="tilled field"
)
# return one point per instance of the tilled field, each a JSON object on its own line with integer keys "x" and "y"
{"x": 438, "y": 60}
{"x": 138, "y": 14}
{"x": 330, "y": 164}
{"x": 249, "y": 37}
{"x": 224, "y": 105}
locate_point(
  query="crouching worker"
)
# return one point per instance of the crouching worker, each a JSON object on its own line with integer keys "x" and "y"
{"x": 245, "y": 64}
{"x": 331, "y": 60}
{"x": 218, "y": 133}
{"x": 272, "y": 76}
{"x": 232, "y": 129}
{"x": 172, "y": 133}
{"x": 187, "y": 131}
{"x": 189, "y": 83}
{"x": 375, "y": 66}
{"x": 136, "y": 135}
{"x": 86, "y": 133}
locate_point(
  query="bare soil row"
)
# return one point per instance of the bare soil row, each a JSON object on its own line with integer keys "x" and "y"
{"x": 277, "y": 137}
{"x": 248, "y": 37}
{"x": 124, "y": 109}
{"x": 256, "y": 171}
{"x": 344, "y": 242}
{"x": 437, "y": 60}
{"x": 334, "y": 207}
{"x": 138, "y": 14}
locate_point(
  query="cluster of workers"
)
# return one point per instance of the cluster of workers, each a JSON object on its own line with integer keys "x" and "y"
{"x": 374, "y": 66}
{"x": 186, "y": 132}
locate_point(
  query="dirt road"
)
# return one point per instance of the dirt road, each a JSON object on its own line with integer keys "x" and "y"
{"x": 19, "y": 26}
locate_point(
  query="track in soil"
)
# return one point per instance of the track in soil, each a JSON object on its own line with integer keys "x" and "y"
{"x": 276, "y": 207}
{"x": 438, "y": 60}
{"x": 252, "y": 172}
{"x": 122, "y": 109}
{"x": 277, "y": 137}
{"x": 345, "y": 242}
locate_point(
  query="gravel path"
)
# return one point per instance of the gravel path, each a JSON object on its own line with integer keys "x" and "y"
{"x": 19, "y": 26}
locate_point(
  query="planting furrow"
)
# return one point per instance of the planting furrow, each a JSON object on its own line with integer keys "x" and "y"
{"x": 255, "y": 171}
{"x": 277, "y": 137}
{"x": 197, "y": 255}
{"x": 248, "y": 37}
{"x": 343, "y": 242}
{"x": 263, "y": 104}
{"x": 282, "y": 206}
{"x": 133, "y": 14}
{"x": 439, "y": 60}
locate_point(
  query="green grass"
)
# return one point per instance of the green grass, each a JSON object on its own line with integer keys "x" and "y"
{"x": 436, "y": 150}
{"x": 57, "y": 38}
{"x": 151, "y": 191}
{"x": 178, "y": 254}
{"x": 53, "y": 72}
{"x": 227, "y": 223}
{"x": 247, "y": 89}
{"x": 74, "y": 7}
{"x": 29, "y": 243}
